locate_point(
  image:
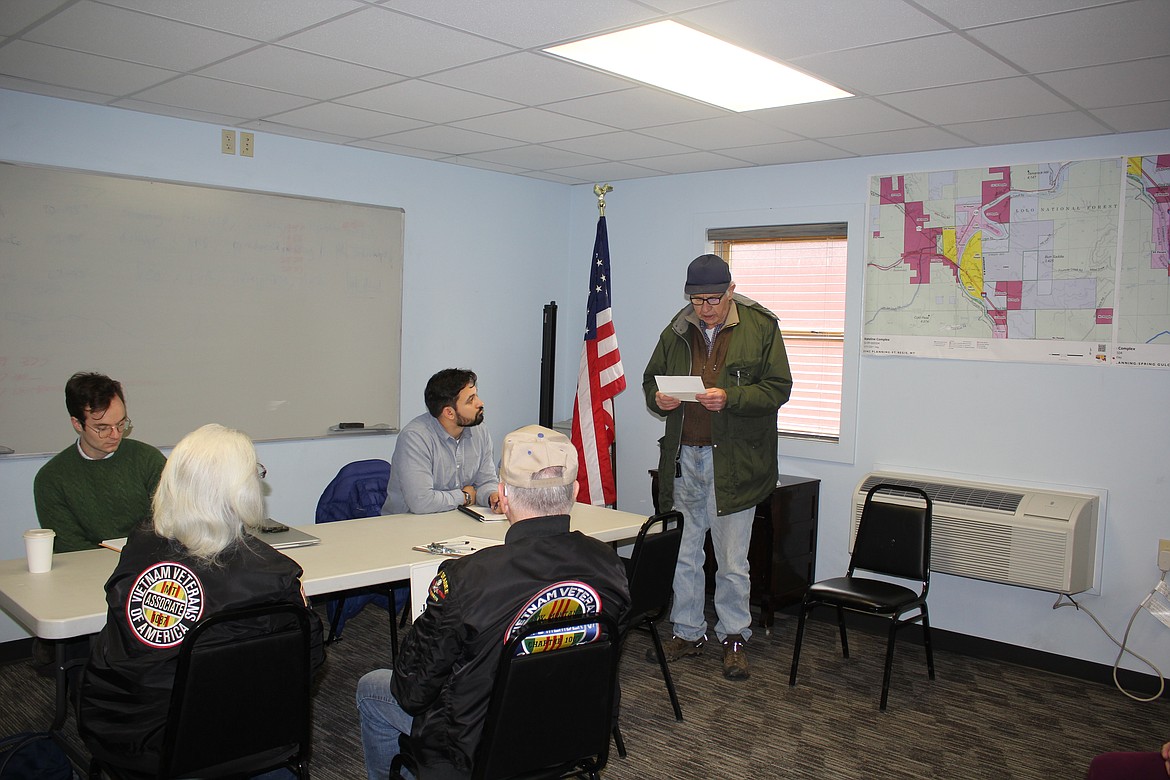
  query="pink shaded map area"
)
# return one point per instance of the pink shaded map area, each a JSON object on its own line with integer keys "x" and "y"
{"x": 994, "y": 188}
{"x": 1160, "y": 226}
{"x": 1012, "y": 292}
{"x": 893, "y": 190}
{"x": 921, "y": 243}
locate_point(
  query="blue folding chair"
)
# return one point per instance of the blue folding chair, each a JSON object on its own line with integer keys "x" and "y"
{"x": 359, "y": 490}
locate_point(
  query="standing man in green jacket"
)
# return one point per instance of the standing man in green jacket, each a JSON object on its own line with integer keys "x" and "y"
{"x": 719, "y": 449}
{"x": 100, "y": 487}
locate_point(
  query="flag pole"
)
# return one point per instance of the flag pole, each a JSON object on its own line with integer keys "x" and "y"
{"x": 599, "y": 190}
{"x": 600, "y": 377}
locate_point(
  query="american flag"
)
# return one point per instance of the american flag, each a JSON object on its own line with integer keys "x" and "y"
{"x": 599, "y": 378}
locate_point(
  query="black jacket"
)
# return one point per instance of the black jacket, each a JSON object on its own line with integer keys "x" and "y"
{"x": 444, "y": 671}
{"x": 155, "y": 595}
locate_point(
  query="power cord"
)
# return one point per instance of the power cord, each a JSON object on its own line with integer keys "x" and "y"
{"x": 1124, "y": 640}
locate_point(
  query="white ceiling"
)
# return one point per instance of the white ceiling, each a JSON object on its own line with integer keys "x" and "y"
{"x": 464, "y": 81}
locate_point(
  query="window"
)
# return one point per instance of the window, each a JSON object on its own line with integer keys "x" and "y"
{"x": 799, "y": 272}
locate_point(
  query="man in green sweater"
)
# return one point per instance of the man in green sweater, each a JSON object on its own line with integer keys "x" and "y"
{"x": 101, "y": 486}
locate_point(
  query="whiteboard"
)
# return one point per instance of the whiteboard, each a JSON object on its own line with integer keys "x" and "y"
{"x": 277, "y": 315}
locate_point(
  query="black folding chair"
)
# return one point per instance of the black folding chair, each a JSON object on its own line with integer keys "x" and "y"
{"x": 240, "y": 703}
{"x": 551, "y": 711}
{"x": 893, "y": 539}
{"x": 650, "y": 569}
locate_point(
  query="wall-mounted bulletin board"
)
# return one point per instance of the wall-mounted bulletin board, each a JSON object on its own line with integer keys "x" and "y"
{"x": 277, "y": 315}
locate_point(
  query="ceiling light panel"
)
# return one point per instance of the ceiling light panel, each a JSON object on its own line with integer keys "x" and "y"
{"x": 676, "y": 58}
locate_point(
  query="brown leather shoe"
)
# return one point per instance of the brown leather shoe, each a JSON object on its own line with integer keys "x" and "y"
{"x": 677, "y": 648}
{"x": 735, "y": 663}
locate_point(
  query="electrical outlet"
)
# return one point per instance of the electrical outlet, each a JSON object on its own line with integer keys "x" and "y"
{"x": 247, "y": 144}
{"x": 227, "y": 141}
{"x": 1164, "y": 554}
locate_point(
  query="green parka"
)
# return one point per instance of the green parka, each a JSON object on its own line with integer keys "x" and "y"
{"x": 757, "y": 379}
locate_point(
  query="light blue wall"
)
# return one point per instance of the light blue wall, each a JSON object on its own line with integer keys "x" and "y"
{"x": 1098, "y": 427}
{"x": 485, "y": 252}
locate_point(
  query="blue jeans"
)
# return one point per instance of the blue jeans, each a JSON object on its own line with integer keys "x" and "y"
{"x": 382, "y": 721}
{"x": 694, "y": 496}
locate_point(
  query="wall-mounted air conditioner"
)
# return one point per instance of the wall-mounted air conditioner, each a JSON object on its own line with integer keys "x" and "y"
{"x": 1018, "y": 536}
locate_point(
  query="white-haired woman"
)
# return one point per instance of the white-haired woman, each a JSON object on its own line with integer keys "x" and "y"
{"x": 192, "y": 559}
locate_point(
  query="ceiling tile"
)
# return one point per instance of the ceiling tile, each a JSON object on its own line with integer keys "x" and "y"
{"x": 721, "y": 133}
{"x": 973, "y": 102}
{"x": 537, "y": 157}
{"x": 19, "y": 14}
{"x": 691, "y": 162}
{"x": 530, "y": 23}
{"x": 51, "y": 90}
{"x": 532, "y": 125}
{"x": 78, "y": 70}
{"x": 126, "y": 35}
{"x": 448, "y": 140}
{"x": 220, "y": 97}
{"x": 383, "y": 39}
{"x": 434, "y": 79}
{"x": 428, "y": 102}
{"x": 964, "y": 13}
{"x": 276, "y": 128}
{"x": 607, "y": 171}
{"x": 904, "y": 65}
{"x": 917, "y": 139}
{"x": 530, "y": 79}
{"x": 259, "y": 20}
{"x": 791, "y": 152}
{"x": 1114, "y": 33}
{"x": 1113, "y": 85}
{"x": 553, "y": 177}
{"x": 346, "y": 120}
{"x": 1135, "y": 119}
{"x": 621, "y": 146}
{"x": 767, "y": 26}
{"x": 471, "y": 162}
{"x": 1014, "y": 130}
{"x": 379, "y": 146}
{"x": 297, "y": 72}
{"x": 678, "y": 6}
{"x": 836, "y": 117}
{"x": 209, "y": 117}
{"x": 638, "y": 107}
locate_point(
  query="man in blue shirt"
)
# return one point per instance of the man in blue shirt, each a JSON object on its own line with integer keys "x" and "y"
{"x": 443, "y": 459}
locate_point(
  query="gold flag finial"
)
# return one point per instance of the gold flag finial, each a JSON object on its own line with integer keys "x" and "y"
{"x": 599, "y": 190}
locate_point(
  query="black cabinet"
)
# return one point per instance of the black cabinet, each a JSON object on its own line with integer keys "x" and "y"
{"x": 783, "y": 551}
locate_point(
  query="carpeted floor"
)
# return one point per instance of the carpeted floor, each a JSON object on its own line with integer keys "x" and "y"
{"x": 978, "y": 719}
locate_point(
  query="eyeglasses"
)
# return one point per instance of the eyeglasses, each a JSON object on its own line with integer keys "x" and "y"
{"x": 712, "y": 301}
{"x": 260, "y": 470}
{"x": 104, "y": 431}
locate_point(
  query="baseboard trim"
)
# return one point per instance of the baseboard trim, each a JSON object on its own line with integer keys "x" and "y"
{"x": 1137, "y": 683}
{"x": 19, "y": 650}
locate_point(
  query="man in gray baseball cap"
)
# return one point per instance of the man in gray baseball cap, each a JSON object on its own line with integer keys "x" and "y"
{"x": 718, "y": 459}
{"x": 476, "y": 602}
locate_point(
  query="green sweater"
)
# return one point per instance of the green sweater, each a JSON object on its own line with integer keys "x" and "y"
{"x": 86, "y": 501}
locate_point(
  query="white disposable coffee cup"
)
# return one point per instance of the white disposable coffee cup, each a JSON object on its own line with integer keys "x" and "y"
{"x": 38, "y": 546}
